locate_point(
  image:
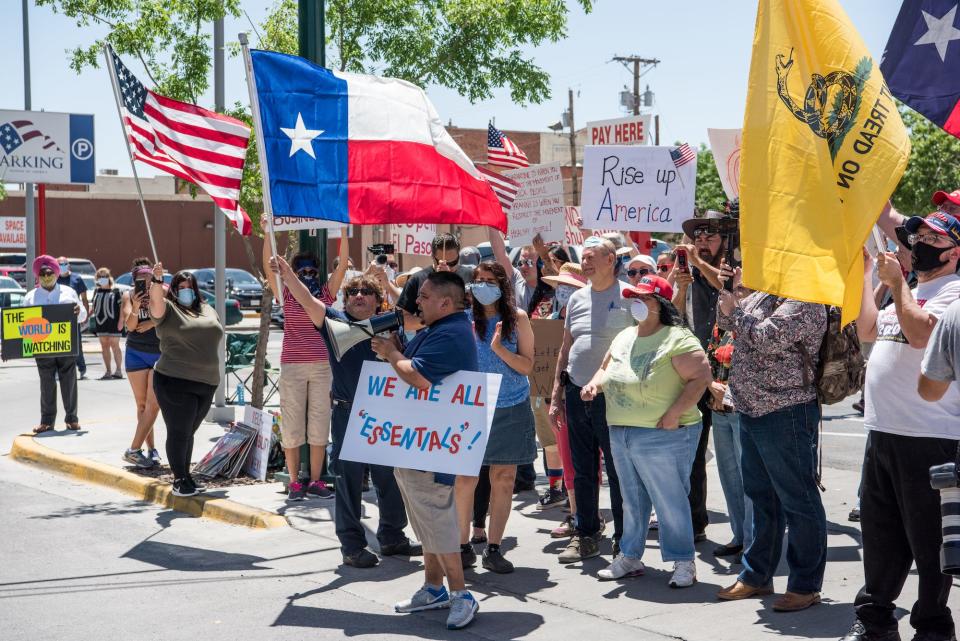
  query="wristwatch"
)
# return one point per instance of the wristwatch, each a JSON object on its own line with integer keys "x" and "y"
{"x": 154, "y": 279}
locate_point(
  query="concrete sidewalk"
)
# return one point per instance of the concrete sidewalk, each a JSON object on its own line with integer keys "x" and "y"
{"x": 543, "y": 598}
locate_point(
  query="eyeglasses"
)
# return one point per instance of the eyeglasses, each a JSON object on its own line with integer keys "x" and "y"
{"x": 705, "y": 232}
{"x": 527, "y": 263}
{"x": 926, "y": 239}
{"x": 666, "y": 267}
{"x": 633, "y": 272}
{"x": 46, "y": 272}
{"x": 366, "y": 291}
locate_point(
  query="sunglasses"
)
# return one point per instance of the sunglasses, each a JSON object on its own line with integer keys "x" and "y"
{"x": 527, "y": 263}
{"x": 46, "y": 272}
{"x": 705, "y": 232}
{"x": 366, "y": 291}
{"x": 633, "y": 272}
{"x": 666, "y": 267}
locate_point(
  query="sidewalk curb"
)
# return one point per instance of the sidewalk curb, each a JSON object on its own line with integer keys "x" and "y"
{"x": 26, "y": 449}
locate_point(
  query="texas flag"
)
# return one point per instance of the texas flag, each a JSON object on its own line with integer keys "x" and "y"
{"x": 921, "y": 62}
{"x": 360, "y": 149}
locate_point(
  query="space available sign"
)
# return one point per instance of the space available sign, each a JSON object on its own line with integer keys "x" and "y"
{"x": 46, "y": 147}
{"x": 13, "y": 232}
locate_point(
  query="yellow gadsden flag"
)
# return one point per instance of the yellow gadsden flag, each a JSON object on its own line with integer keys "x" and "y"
{"x": 823, "y": 149}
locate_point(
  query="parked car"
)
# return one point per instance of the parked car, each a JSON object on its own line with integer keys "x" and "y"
{"x": 11, "y": 293}
{"x": 241, "y": 285}
{"x": 233, "y": 316}
{"x": 12, "y": 265}
{"x": 276, "y": 314}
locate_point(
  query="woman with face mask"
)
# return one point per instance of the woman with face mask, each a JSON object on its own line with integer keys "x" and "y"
{"x": 188, "y": 372}
{"x": 652, "y": 377}
{"x": 105, "y": 322}
{"x": 505, "y": 346}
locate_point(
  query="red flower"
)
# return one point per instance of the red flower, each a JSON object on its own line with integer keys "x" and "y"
{"x": 724, "y": 354}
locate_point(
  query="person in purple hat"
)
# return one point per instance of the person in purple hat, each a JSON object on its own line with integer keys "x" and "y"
{"x": 900, "y": 512}
{"x": 50, "y": 292}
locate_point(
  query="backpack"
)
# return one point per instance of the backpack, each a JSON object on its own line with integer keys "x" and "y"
{"x": 841, "y": 370}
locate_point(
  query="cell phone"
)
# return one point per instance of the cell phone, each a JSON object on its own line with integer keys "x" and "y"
{"x": 140, "y": 287}
{"x": 682, "y": 263}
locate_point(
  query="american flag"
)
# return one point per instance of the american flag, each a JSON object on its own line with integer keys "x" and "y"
{"x": 502, "y": 151}
{"x": 682, "y": 155}
{"x": 505, "y": 188}
{"x": 200, "y": 146}
{"x": 17, "y": 132}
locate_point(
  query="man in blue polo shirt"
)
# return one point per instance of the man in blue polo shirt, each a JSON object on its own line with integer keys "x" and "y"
{"x": 446, "y": 346}
{"x": 362, "y": 297}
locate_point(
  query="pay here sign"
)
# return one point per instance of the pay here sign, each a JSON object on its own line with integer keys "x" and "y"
{"x": 442, "y": 429}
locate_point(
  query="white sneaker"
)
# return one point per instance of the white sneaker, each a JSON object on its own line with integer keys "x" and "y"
{"x": 463, "y": 608}
{"x": 684, "y": 574}
{"x": 620, "y": 568}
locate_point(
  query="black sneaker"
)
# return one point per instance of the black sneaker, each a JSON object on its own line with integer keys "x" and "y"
{"x": 361, "y": 559}
{"x": 467, "y": 556}
{"x": 859, "y": 633}
{"x": 198, "y": 485}
{"x": 183, "y": 487}
{"x": 404, "y": 548}
{"x": 551, "y": 498}
{"x": 854, "y": 516}
{"x": 493, "y": 560}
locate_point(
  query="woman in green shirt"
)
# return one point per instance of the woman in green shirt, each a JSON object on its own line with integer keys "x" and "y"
{"x": 188, "y": 372}
{"x": 652, "y": 377}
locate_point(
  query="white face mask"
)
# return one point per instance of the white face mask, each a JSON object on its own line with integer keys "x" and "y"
{"x": 639, "y": 310}
{"x": 103, "y": 282}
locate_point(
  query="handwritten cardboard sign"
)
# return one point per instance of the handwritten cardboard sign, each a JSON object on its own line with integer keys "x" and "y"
{"x": 42, "y": 330}
{"x": 574, "y": 234}
{"x": 725, "y": 144}
{"x": 548, "y": 335}
{"x": 441, "y": 429}
{"x": 259, "y": 456}
{"x": 632, "y": 130}
{"x": 413, "y": 239}
{"x": 539, "y": 206}
{"x": 636, "y": 188}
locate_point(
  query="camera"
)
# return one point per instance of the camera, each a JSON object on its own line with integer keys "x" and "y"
{"x": 944, "y": 478}
{"x": 381, "y": 249}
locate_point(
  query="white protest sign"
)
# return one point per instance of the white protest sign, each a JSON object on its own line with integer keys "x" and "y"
{"x": 575, "y": 234}
{"x": 725, "y": 144}
{"x": 637, "y": 188}
{"x": 538, "y": 208}
{"x": 632, "y": 130}
{"x": 442, "y": 429}
{"x": 13, "y": 232}
{"x": 259, "y": 456}
{"x": 413, "y": 239}
{"x": 294, "y": 223}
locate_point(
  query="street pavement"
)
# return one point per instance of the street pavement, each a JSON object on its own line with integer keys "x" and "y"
{"x": 84, "y": 561}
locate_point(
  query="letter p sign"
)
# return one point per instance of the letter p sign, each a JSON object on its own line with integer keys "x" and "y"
{"x": 82, "y": 149}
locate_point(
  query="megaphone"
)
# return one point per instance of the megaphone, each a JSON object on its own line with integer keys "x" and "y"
{"x": 344, "y": 335}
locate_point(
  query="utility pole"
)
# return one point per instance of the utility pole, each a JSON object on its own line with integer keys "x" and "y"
{"x": 30, "y": 222}
{"x": 311, "y": 35}
{"x": 638, "y": 66}
{"x": 573, "y": 152}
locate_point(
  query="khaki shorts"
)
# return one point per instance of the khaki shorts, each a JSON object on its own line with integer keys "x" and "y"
{"x": 305, "y": 403}
{"x": 431, "y": 510}
{"x": 541, "y": 420}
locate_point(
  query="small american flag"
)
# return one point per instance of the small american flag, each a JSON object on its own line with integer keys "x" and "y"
{"x": 17, "y": 132}
{"x": 502, "y": 151}
{"x": 682, "y": 155}
{"x": 203, "y": 147}
{"x": 505, "y": 188}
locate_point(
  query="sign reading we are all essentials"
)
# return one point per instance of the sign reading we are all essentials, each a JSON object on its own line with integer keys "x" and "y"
{"x": 440, "y": 429}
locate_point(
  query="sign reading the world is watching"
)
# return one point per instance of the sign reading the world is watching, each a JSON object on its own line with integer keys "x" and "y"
{"x": 46, "y": 147}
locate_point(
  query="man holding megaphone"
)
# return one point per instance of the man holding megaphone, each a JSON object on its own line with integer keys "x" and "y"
{"x": 347, "y": 335}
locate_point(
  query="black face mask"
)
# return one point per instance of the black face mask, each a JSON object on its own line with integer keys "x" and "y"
{"x": 926, "y": 258}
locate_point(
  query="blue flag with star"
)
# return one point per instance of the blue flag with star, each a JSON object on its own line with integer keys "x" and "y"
{"x": 921, "y": 62}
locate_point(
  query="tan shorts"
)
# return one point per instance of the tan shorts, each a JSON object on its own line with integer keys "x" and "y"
{"x": 541, "y": 420}
{"x": 430, "y": 509}
{"x": 305, "y": 403}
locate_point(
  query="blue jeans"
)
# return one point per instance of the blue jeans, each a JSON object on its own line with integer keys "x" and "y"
{"x": 726, "y": 444}
{"x": 654, "y": 470}
{"x": 779, "y": 462}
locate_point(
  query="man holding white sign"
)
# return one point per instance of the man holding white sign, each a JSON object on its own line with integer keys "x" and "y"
{"x": 444, "y": 347}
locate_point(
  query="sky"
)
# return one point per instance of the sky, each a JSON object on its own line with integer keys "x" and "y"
{"x": 701, "y": 82}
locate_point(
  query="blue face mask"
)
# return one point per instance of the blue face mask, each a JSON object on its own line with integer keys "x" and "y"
{"x": 485, "y": 293}
{"x": 186, "y": 297}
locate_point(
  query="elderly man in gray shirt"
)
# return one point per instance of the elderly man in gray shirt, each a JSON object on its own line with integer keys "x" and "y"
{"x": 595, "y": 315}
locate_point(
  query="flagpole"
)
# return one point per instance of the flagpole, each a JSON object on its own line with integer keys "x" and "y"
{"x": 136, "y": 178}
{"x": 261, "y": 151}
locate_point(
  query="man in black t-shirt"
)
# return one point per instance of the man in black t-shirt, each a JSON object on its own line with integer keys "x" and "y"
{"x": 362, "y": 297}
{"x": 445, "y": 250}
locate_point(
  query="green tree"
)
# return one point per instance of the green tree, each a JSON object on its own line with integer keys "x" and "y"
{"x": 709, "y": 193}
{"x": 934, "y": 164}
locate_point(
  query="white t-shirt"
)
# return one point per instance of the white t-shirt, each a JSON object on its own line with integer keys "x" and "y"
{"x": 891, "y": 401}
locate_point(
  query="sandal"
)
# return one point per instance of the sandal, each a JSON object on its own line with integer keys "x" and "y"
{"x": 43, "y": 427}
{"x": 73, "y": 426}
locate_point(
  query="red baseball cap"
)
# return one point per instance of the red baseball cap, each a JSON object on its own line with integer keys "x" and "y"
{"x": 940, "y": 196}
{"x": 649, "y": 285}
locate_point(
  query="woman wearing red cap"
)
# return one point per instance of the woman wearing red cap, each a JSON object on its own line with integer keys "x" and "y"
{"x": 652, "y": 377}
